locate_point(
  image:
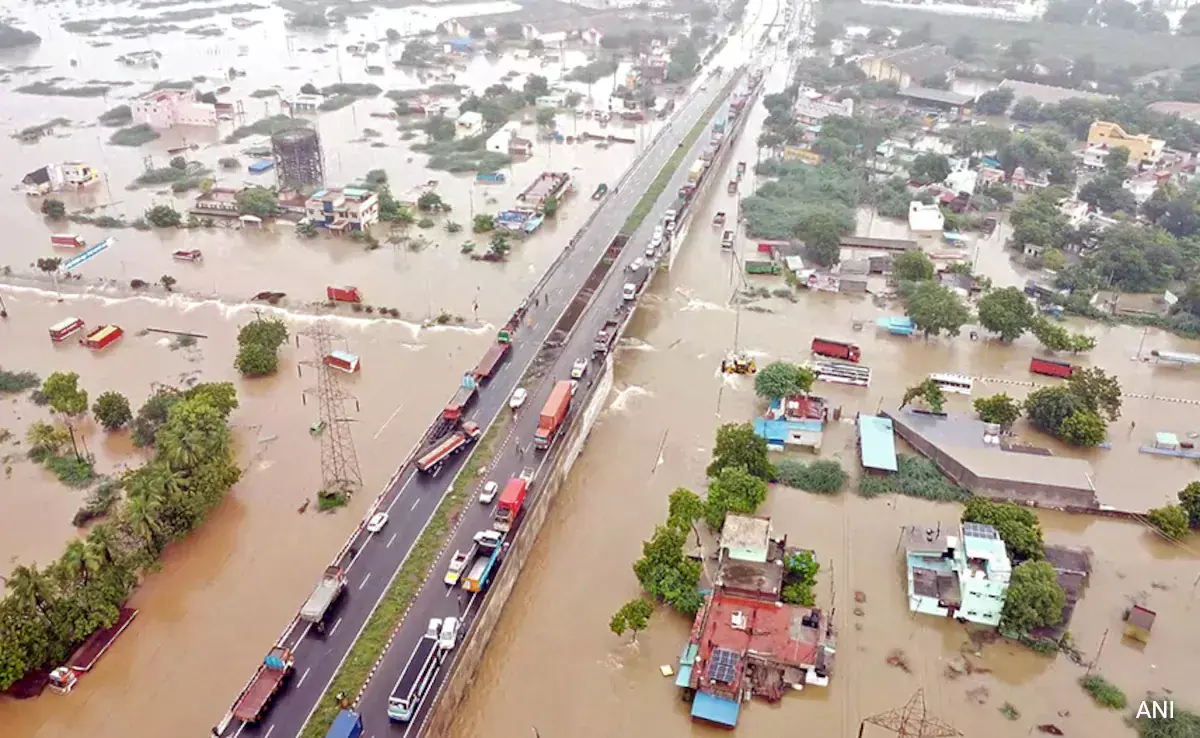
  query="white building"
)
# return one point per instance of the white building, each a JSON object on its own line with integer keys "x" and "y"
{"x": 468, "y": 124}
{"x": 349, "y": 208}
{"x": 163, "y": 109}
{"x": 500, "y": 141}
{"x": 922, "y": 217}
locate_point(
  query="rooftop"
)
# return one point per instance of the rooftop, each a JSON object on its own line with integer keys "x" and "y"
{"x": 1141, "y": 617}
{"x": 1047, "y": 94}
{"x": 997, "y": 464}
{"x": 746, "y": 538}
{"x": 921, "y": 61}
{"x": 1071, "y": 560}
{"x": 925, "y": 540}
{"x": 771, "y": 631}
{"x": 764, "y": 579}
{"x": 930, "y": 94}
{"x": 878, "y": 443}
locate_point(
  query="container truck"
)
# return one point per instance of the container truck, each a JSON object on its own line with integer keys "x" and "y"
{"x": 605, "y": 337}
{"x": 835, "y": 349}
{"x": 485, "y": 553}
{"x": 328, "y": 590}
{"x": 553, "y": 412}
{"x": 460, "y": 439}
{"x": 267, "y": 681}
{"x": 511, "y": 500}
{"x": 462, "y": 398}
{"x": 347, "y": 724}
{"x": 493, "y": 357}
{"x": 695, "y": 172}
{"x": 69, "y": 240}
{"x": 343, "y": 294}
{"x": 1051, "y": 368}
{"x": 417, "y": 675}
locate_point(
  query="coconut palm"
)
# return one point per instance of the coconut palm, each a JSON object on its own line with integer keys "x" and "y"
{"x": 80, "y": 561}
{"x": 31, "y": 588}
{"x": 142, "y": 514}
{"x": 103, "y": 542}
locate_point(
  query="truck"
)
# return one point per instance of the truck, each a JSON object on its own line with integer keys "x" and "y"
{"x": 1051, "y": 368}
{"x": 732, "y": 187}
{"x": 417, "y": 676}
{"x": 835, "y": 349}
{"x": 460, "y": 439}
{"x": 553, "y": 412}
{"x": 462, "y": 398}
{"x": 493, "y": 357}
{"x": 511, "y": 500}
{"x": 347, "y": 724}
{"x": 333, "y": 581}
{"x": 605, "y": 337}
{"x": 267, "y": 681}
{"x": 741, "y": 169}
{"x": 69, "y": 240}
{"x": 484, "y": 554}
{"x": 695, "y": 172}
{"x": 719, "y": 126}
{"x": 343, "y": 294}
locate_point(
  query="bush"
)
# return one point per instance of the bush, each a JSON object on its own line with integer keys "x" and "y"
{"x": 133, "y": 135}
{"x": 332, "y": 502}
{"x": 71, "y": 471}
{"x": 256, "y": 360}
{"x": 99, "y": 501}
{"x": 164, "y": 216}
{"x": 1104, "y": 692}
{"x": 822, "y": 476}
{"x": 112, "y": 410}
{"x": 1171, "y": 521}
{"x": 915, "y": 477}
{"x": 17, "y": 381}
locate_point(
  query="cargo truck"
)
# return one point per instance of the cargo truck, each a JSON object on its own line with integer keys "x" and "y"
{"x": 417, "y": 675}
{"x": 328, "y": 590}
{"x": 347, "y": 724}
{"x": 462, "y": 398}
{"x": 553, "y": 413}
{"x": 511, "y": 500}
{"x": 695, "y": 172}
{"x": 69, "y": 240}
{"x": 460, "y": 439}
{"x": 267, "y": 681}
{"x": 343, "y": 294}
{"x": 835, "y": 349}
{"x": 605, "y": 337}
{"x": 493, "y": 357}
{"x": 1051, "y": 368}
{"x": 485, "y": 552}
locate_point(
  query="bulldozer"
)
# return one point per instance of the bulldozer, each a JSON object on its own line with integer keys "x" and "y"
{"x": 738, "y": 364}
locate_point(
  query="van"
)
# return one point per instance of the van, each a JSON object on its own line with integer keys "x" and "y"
{"x": 651, "y": 252}
{"x": 629, "y": 291}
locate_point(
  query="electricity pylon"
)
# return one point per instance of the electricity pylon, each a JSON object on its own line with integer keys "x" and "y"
{"x": 339, "y": 461}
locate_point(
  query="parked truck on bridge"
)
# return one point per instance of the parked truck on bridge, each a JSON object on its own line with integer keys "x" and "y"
{"x": 267, "y": 681}
{"x": 553, "y": 413}
{"x": 493, "y": 357}
{"x": 605, "y": 337}
{"x": 460, "y": 439}
{"x": 328, "y": 590}
{"x": 511, "y": 501}
{"x": 462, "y": 398}
{"x": 417, "y": 675}
{"x": 485, "y": 553}
{"x": 835, "y": 349}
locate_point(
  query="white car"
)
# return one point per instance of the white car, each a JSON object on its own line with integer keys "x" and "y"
{"x": 574, "y": 386}
{"x": 434, "y": 629}
{"x": 518, "y": 398}
{"x": 657, "y": 238}
{"x": 376, "y": 523}
{"x": 636, "y": 264}
{"x": 489, "y": 493}
{"x": 489, "y": 537}
{"x": 579, "y": 368}
{"x": 456, "y": 567}
{"x": 651, "y": 252}
{"x": 448, "y": 638}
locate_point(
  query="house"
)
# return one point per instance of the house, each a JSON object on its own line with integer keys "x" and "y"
{"x": 1142, "y": 186}
{"x": 518, "y": 146}
{"x": 922, "y": 217}
{"x": 909, "y": 67}
{"x": 1143, "y": 149}
{"x": 745, "y": 538}
{"x": 1138, "y": 623}
{"x": 960, "y": 573}
{"x": 812, "y": 112}
{"x": 453, "y": 28}
{"x": 161, "y": 109}
{"x": 468, "y": 124}
{"x": 500, "y": 140}
{"x": 1092, "y": 157}
{"x": 221, "y": 201}
{"x": 78, "y": 175}
{"x": 349, "y": 208}
{"x": 42, "y": 181}
{"x": 304, "y": 103}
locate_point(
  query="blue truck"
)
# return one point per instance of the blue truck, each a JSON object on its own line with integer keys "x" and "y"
{"x": 347, "y": 724}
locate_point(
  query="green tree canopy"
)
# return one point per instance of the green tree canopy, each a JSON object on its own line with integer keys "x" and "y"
{"x": 684, "y": 508}
{"x": 733, "y": 490}
{"x": 737, "y": 445}
{"x": 1189, "y": 500}
{"x": 633, "y": 615}
{"x": 258, "y": 201}
{"x": 930, "y": 168}
{"x": 1034, "y": 598}
{"x": 256, "y": 360}
{"x": 912, "y": 266}
{"x": 928, "y": 391}
{"x": 1098, "y": 391}
{"x": 62, "y": 392}
{"x": 1018, "y": 527}
{"x": 1170, "y": 520}
{"x": 163, "y": 216}
{"x": 1006, "y": 311}
{"x": 782, "y": 379}
{"x": 936, "y": 309}
{"x": 112, "y": 410}
{"x": 1083, "y": 428}
{"x": 666, "y": 574}
{"x": 999, "y": 408}
{"x": 994, "y": 102}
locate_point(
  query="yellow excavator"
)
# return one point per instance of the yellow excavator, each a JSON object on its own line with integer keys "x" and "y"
{"x": 738, "y": 363}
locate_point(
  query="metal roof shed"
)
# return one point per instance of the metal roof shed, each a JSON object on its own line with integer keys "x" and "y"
{"x": 877, "y": 443}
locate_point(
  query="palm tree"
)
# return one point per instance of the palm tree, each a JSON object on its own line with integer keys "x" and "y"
{"x": 31, "y": 588}
{"x": 145, "y": 503}
{"x": 80, "y": 561}
{"x": 104, "y": 543}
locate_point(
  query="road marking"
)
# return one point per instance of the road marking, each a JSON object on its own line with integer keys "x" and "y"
{"x": 450, "y": 590}
{"x": 364, "y": 581}
{"x": 401, "y": 492}
{"x": 303, "y": 635}
{"x": 414, "y": 505}
{"x": 390, "y": 540}
{"x": 268, "y": 733}
{"x": 335, "y": 625}
{"x": 302, "y": 676}
{"x": 239, "y": 730}
{"x": 387, "y": 422}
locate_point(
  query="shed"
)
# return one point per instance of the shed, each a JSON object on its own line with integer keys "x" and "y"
{"x": 1138, "y": 622}
{"x": 877, "y": 443}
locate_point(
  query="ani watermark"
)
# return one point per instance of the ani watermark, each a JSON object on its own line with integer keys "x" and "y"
{"x": 1156, "y": 709}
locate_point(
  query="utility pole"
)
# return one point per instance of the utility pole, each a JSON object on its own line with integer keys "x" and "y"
{"x": 340, "y": 473}
{"x": 1092, "y": 663}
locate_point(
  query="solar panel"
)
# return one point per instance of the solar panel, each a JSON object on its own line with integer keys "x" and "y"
{"x": 722, "y": 665}
{"x": 978, "y": 530}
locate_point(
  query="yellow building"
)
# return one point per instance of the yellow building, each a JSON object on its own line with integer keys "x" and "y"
{"x": 1142, "y": 148}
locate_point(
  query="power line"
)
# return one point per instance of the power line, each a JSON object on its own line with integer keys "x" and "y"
{"x": 911, "y": 721}
{"x": 340, "y": 473}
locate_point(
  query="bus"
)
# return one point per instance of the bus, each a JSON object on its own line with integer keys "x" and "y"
{"x": 956, "y": 383}
{"x": 417, "y": 676}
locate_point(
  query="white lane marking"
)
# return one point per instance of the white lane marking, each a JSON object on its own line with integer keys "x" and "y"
{"x": 450, "y": 590}
{"x": 239, "y": 730}
{"x": 302, "y": 676}
{"x": 414, "y": 505}
{"x": 412, "y": 476}
{"x": 335, "y": 625}
{"x": 390, "y": 540}
{"x": 363, "y": 583}
{"x": 388, "y": 422}
{"x": 268, "y": 734}
{"x": 303, "y": 635}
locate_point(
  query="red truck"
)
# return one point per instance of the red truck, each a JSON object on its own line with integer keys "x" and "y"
{"x": 343, "y": 294}
{"x": 835, "y": 349}
{"x": 267, "y": 681}
{"x": 70, "y": 240}
{"x": 553, "y": 412}
{"x": 511, "y": 500}
{"x": 447, "y": 447}
{"x": 493, "y": 357}
{"x": 1051, "y": 368}
{"x": 462, "y": 398}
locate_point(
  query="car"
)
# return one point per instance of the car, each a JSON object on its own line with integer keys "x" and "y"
{"x": 574, "y": 386}
{"x": 657, "y": 238}
{"x": 636, "y": 264}
{"x": 489, "y": 493}
{"x": 651, "y": 252}
{"x": 448, "y": 638}
{"x": 377, "y": 521}
{"x": 489, "y": 537}
{"x": 703, "y": 88}
{"x": 434, "y": 629}
{"x": 579, "y": 368}
{"x": 454, "y": 571}
{"x": 518, "y": 398}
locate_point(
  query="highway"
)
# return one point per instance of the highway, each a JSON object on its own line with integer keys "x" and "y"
{"x": 372, "y": 560}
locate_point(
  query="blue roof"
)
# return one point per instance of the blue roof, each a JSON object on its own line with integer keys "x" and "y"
{"x": 775, "y": 431}
{"x": 683, "y": 677}
{"x": 261, "y": 166}
{"x": 715, "y": 709}
{"x": 344, "y": 725}
{"x": 878, "y": 442}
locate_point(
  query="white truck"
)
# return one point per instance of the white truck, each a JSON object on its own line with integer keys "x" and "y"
{"x": 323, "y": 597}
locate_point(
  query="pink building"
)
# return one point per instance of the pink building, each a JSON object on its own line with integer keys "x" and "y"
{"x": 168, "y": 108}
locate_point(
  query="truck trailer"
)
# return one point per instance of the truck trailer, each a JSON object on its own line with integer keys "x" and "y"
{"x": 553, "y": 413}
{"x": 266, "y": 683}
{"x": 461, "y": 399}
{"x": 328, "y": 590}
{"x": 511, "y": 501}
{"x": 493, "y": 357}
{"x": 415, "y": 679}
{"x": 347, "y": 724}
{"x": 1051, "y": 368}
{"x": 605, "y": 337}
{"x": 432, "y": 461}
{"x": 485, "y": 553}
{"x": 835, "y": 349}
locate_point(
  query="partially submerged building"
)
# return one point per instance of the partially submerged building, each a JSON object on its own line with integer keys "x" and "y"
{"x": 343, "y": 209}
{"x": 960, "y": 573}
{"x": 794, "y": 421}
{"x": 162, "y": 109}
{"x": 72, "y": 175}
{"x": 876, "y": 444}
{"x": 218, "y": 201}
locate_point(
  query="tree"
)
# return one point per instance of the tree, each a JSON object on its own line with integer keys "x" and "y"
{"x": 822, "y": 236}
{"x": 1189, "y": 24}
{"x": 780, "y": 379}
{"x": 256, "y": 360}
{"x": 1000, "y": 409}
{"x": 45, "y": 439}
{"x": 935, "y": 309}
{"x": 483, "y": 223}
{"x": 308, "y": 88}
{"x": 930, "y": 168}
{"x": 258, "y": 201}
{"x": 545, "y": 117}
{"x": 152, "y": 414}
{"x": 62, "y": 392}
{"x": 879, "y": 35}
{"x": 928, "y": 391}
{"x": 912, "y": 266}
{"x": 1083, "y": 428}
{"x": 499, "y": 246}
{"x": 1034, "y": 598}
{"x": 31, "y": 588}
{"x": 550, "y": 206}
{"x": 1027, "y": 109}
{"x": 684, "y": 508}
{"x": 1021, "y": 50}
{"x": 112, "y": 410}
{"x": 1049, "y": 407}
{"x": 53, "y": 208}
{"x": 1098, "y": 391}
{"x": 178, "y": 162}
{"x": 994, "y": 102}
{"x": 271, "y": 332}
{"x": 965, "y": 47}
{"x": 430, "y": 201}
{"x": 536, "y": 86}
{"x": 1006, "y": 311}
{"x": 1051, "y": 335}
{"x": 1189, "y": 500}
{"x": 1108, "y": 194}
{"x": 633, "y": 616}
{"x": 666, "y": 574}
{"x": 163, "y": 216}
{"x": 738, "y": 445}
{"x": 1171, "y": 521}
{"x": 733, "y": 490}
{"x": 799, "y": 576}
{"x": 1017, "y": 526}
{"x": 50, "y": 264}
{"x": 167, "y": 281}
{"x": 1117, "y": 161}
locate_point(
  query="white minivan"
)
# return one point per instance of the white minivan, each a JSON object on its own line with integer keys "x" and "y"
{"x": 629, "y": 291}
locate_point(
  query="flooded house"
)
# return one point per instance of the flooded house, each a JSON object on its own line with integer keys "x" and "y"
{"x": 960, "y": 573}
{"x": 163, "y": 109}
{"x": 343, "y": 209}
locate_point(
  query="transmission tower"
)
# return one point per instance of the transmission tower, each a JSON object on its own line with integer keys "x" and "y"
{"x": 911, "y": 721}
{"x": 339, "y": 461}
